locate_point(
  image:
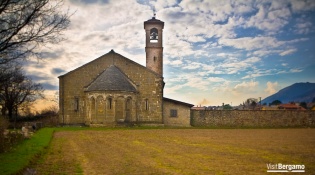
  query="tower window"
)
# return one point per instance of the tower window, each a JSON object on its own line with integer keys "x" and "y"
{"x": 154, "y": 35}
{"x": 146, "y": 104}
{"x": 76, "y": 104}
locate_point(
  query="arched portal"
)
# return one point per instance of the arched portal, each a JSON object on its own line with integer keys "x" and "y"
{"x": 128, "y": 109}
{"x": 120, "y": 108}
{"x": 110, "y": 111}
{"x": 93, "y": 113}
{"x": 100, "y": 109}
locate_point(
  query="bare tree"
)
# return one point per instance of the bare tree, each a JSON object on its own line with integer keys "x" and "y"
{"x": 15, "y": 89}
{"x": 27, "y": 24}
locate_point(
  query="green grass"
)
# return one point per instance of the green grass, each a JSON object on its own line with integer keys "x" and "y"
{"x": 19, "y": 157}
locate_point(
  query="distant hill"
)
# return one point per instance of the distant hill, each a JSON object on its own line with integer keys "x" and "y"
{"x": 298, "y": 92}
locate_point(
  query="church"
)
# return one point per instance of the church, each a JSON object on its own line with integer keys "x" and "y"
{"x": 113, "y": 89}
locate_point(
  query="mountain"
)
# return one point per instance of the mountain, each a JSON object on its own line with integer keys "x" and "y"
{"x": 298, "y": 92}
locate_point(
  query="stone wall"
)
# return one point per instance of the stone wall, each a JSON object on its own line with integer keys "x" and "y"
{"x": 240, "y": 118}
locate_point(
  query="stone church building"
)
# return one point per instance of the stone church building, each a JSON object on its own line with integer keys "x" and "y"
{"x": 113, "y": 89}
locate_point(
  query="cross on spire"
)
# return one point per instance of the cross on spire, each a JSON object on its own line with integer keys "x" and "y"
{"x": 154, "y": 14}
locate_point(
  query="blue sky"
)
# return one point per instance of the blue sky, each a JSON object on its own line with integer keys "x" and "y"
{"x": 214, "y": 51}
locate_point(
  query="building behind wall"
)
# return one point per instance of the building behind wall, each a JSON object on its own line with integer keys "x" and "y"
{"x": 114, "y": 89}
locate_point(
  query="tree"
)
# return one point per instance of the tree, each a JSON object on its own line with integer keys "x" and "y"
{"x": 313, "y": 101}
{"x": 251, "y": 103}
{"x": 227, "y": 107}
{"x": 304, "y": 105}
{"x": 27, "y": 24}
{"x": 276, "y": 102}
{"x": 15, "y": 89}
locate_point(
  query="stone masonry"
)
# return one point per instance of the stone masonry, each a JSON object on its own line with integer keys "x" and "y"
{"x": 240, "y": 118}
{"x": 149, "y": 87}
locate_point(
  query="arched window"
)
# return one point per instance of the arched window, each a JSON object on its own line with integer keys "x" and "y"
{"x": 109, "y": 103}
{"x": 100, "y": 105}
{"x": 146, "y": 104}
{"x": 128, "y": 104}
{"x": 154, "y": 35}
{"x": 76, "y": 104}
{"x": 93, "y": 105}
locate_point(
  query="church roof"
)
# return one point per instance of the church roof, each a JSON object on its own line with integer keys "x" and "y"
{"x": 177, "y": 102}
{"x": 111, "y": 55}
{"x": 154, "y": 21}
{"x": 111, "y": 79}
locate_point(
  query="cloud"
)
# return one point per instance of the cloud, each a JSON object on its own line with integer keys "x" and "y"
{"x": 266, "y": 52}
{"x": 173, "y": 89}
{"x": 300, "y": 6}
{"x": 51, "y": 54}
{"x": 232, "y": 67}
{"x": 38, "y": 78}
{"x": 87, "y": 2}
{"x": 303, "y": 26}
{"x": 175, "y": 63}
{"x": 295, "y": 70}
{"x": 270, "y": 17}
{"x": 192, "y": 66}
{"x": 251, "y": 43}
{"x": 57, "y": 71}
{"x": 161, "y": 4}
{"x": 241, "y": 7}
{"x": 48, "y": 86}
{"x": 288, "y": 52}
{"x": 243, "y": 87}
{"x": 271, "y": 87}
{"x": 216, "y": 79}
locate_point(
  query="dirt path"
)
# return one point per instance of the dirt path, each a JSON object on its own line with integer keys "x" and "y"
{"x": 177, "y": 151}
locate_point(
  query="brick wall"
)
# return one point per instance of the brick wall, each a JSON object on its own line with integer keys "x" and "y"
{"x": 239, "y": 118}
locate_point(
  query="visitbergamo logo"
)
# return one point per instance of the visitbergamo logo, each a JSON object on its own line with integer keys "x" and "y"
{"x": 276, "y": 168}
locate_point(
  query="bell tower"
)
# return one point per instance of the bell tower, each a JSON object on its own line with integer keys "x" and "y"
{"x": 154, "y": 45}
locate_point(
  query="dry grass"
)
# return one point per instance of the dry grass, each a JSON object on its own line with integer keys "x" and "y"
{"x": 177, "y": 151}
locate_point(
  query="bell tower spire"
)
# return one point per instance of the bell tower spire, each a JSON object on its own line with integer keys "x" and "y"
{"x": 154, "y": 45}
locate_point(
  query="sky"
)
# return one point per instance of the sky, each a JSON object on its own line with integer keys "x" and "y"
{"x": 215, "y": 51}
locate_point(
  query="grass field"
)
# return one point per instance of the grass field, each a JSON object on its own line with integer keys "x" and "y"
{"x": 177, "y": 151}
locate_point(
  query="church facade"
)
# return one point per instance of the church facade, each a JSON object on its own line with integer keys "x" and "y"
{"x": 113, "y": 89}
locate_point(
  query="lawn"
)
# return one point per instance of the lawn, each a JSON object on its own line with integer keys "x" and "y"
{"x": 176, "y": 151}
